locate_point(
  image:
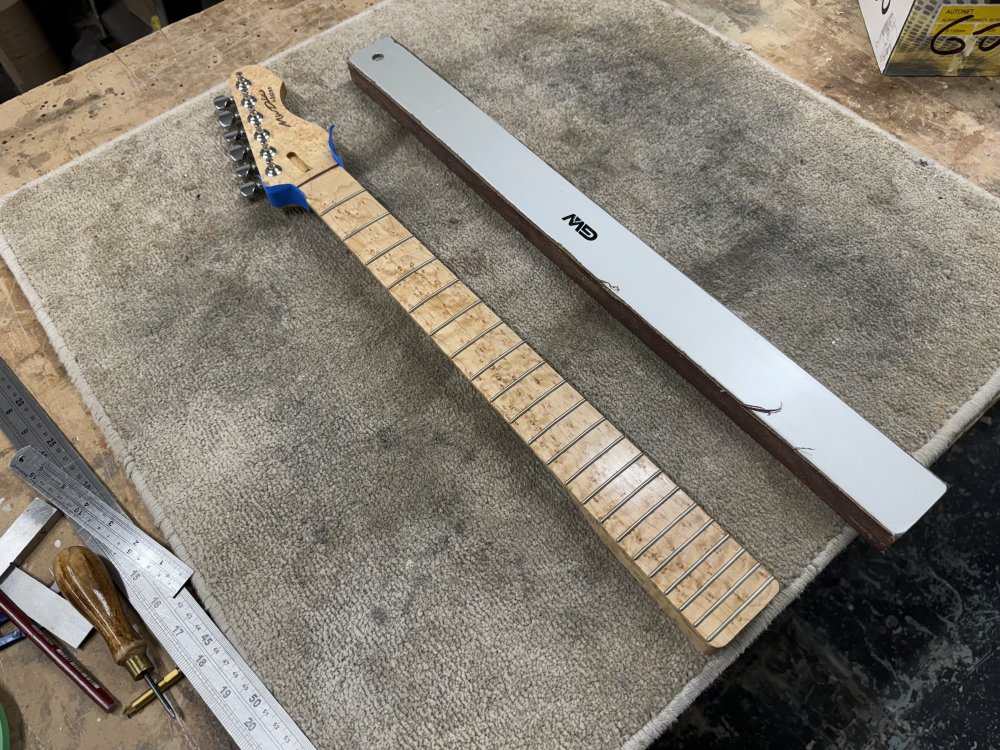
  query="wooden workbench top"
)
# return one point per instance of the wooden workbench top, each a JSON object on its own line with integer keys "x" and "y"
{"x": 822, "y": 43}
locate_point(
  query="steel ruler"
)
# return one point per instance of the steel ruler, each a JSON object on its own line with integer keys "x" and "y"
{"x": 152, "y": 576}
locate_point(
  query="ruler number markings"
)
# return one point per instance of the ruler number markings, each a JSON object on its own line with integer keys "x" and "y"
{"x": 153, "y": 577}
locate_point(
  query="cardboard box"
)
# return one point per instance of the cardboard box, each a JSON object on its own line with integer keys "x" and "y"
{"x": 934, "y": 38}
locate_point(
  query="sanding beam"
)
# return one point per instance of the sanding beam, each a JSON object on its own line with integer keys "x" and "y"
{"x": 875, "y": 485}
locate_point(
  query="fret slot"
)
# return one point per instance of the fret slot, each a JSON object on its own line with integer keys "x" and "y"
{"x": 728, "y": 621}
{"x": 374, "y": 240}
{"x": 611, "y": 446}
{"x": 557, "y": 420}
{"x": 502, "y": 374}
{"x": 401, "y": 260}
{"x": 475, "y": 339}
{"x": 547, "y": 409}
{"x": 708, "y": 598}
{"x": 528, "y": 391}
{"x": 487, "y": 347}
{"x": 517, "y": 380}
{"x": 728, "y": 593}
{"x": 628, "y": 498}
{"x": 497, "y": 359}
{"x": 576, "y": 440}
{"x": 663, "y": 532}
{"x": 389, "y": 249}
{"x": 612, "y": 478}
{"x": 420, "y": 282}
{"x": 691, "y": 568}
{"x": 716, "y": 576}
{"x": 476, "y": 322}
{"x": 684, "y": 545}
{"x": 445, "y": 305}
{"x": 412, "y": 271}
{"x": 341, "y": 202}
{"x": 364, "y": 226}
{"x": 656, "y": 506}
{"x": 432, "y": 295}
{"x": 312, "y": 177}
{"x": 537, "y": 401}
{"x": 454, "y": 317}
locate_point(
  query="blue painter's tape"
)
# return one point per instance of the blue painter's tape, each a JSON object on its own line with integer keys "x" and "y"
{"x": 280, "y": 196}
{"x": 333, "y": 149}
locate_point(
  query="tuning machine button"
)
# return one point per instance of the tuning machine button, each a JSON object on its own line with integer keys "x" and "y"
{"x": 234, "y": 135}
{"x": 244, "y": 171}
{"x": 238, "y": 152}
{"x": 228, "y": 119}
{"x": 223, "y": 102}
{"x": 250, "y": 188}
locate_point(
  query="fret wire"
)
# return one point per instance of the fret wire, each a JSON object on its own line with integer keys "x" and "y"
{"x": 455, "y": 317}
{"x": 612, "y": 478}
{"x": 558, "y": 419}
{"x": 725, "y": 538}
{"x": 412, "y": 271}
{"x": 389, "y": 249}
{"x": 622, "y": 503}
{"x": 463, "y": 347}
{"x": 687, "y": 543}
{"x": 342, "y": 201}
{"x": 515, "y": 381}
{"x": 648, "y": 513}
{"x": 707, "y": 613}
{"x": 364, "y": 226}
{"x": 701, "y": 590}
{"x": 743, "y": 606}
{"x": 434, "y": 294}
{"x": 312, "y": 177}
{"x": 577, "y": 439}
{"x": 664, "y": 531}
{"x": 537, "y": 401}
{"x": 598, "y": 457}
{"x": 493, "y": 361}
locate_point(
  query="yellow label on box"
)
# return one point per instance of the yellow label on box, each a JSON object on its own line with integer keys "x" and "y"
{"x": 968, "y": 20}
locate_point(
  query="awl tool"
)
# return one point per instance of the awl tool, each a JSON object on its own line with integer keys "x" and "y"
{"x": 152, "y": 577}
{"x": 85, "y": 581}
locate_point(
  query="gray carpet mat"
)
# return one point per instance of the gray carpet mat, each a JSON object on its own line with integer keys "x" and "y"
{"x": 394, "y": 562}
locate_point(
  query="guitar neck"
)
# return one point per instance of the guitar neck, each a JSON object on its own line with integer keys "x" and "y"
{"x": 695, "y": 570}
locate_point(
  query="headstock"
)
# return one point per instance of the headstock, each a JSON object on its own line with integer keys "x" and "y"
{"x": 274, "y": 151}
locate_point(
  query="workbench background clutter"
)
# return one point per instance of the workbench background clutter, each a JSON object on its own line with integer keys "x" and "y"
{"x": 934, "y": 38}
{"x": 278, "y": 407}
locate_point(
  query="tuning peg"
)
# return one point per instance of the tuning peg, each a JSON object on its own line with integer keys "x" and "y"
{"x": 234, "y": 135}
{"x": 238, "y": 152}
{"x": 243, "y": 171}
{"x": 249, "y": 189}
{"x": 223, "y": 102}
{"x": 228, "y": 119}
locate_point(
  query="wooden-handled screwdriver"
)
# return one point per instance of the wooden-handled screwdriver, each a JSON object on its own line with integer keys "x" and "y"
{"x": 85, "y": 581}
